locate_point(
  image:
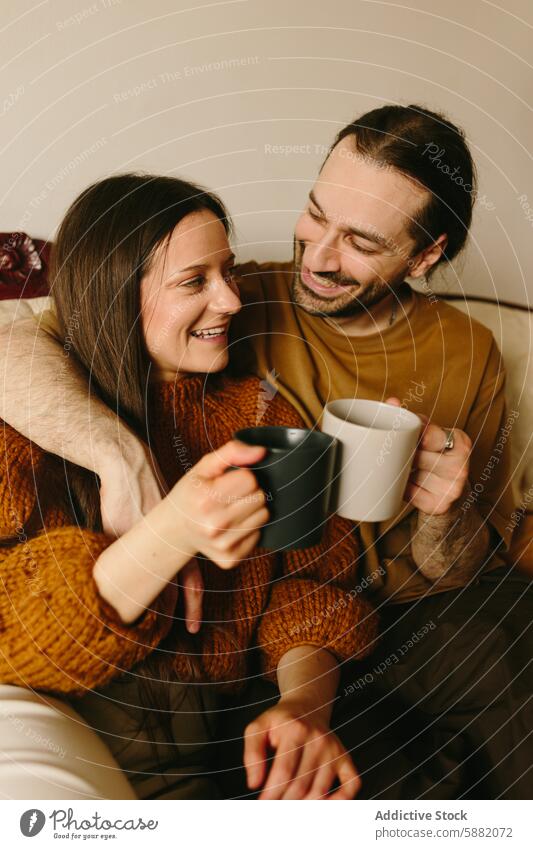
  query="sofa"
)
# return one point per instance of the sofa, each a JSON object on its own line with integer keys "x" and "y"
{"x": 47, "y": 751}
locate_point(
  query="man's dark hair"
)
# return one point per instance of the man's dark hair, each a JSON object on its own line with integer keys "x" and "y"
{"x": 429, "y": 149}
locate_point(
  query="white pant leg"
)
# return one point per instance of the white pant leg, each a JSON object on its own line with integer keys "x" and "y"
{"x": 47, "y": 751}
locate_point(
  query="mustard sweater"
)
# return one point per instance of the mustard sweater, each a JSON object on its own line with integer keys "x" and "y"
{"x": 58, "y": 634}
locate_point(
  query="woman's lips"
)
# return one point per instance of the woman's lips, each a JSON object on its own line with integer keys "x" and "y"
{"x": 325, "y": 291}
{"x": 217, "y": 334}
{"x": 221, "y": 339}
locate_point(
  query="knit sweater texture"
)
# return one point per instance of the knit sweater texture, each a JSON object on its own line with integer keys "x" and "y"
{"x": 59, "y": 635}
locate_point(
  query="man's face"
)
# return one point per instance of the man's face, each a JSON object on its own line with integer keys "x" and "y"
{"x": 352, "y": 244}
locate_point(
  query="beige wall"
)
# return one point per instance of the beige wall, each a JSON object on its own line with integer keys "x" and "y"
{"x": 204, "y": 89}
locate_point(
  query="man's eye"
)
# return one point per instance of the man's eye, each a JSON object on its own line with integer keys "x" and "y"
{"x": 362, "y": 250}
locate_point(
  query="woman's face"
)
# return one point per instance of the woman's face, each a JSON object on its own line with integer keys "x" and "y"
{"x": 188, "y": 298}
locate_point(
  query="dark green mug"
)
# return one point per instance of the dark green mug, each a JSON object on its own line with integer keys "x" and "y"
{"x": 296, "y": 475}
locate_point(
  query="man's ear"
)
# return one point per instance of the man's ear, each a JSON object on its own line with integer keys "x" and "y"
{"x": 427, "y": 258}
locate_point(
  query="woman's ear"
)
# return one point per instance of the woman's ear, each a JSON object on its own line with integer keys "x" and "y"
{"x": 427, "y": 258}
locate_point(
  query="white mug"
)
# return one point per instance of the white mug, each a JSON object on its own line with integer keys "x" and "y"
{"x": 377, "y": 445}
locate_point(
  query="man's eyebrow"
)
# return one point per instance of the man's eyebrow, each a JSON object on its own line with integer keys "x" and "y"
{"x": 374, "y": 237}
{"x": 370, "y": 236}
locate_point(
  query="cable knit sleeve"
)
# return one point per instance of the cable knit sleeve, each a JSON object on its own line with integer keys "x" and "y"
{"x": 57, "y": 633}
{"x": 316, "y": 601}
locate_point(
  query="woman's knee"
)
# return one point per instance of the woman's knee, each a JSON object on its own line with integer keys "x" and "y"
{"x": 49, "y": 752}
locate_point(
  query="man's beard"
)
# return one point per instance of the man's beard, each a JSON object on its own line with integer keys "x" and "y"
{"x": 346, "y": 305}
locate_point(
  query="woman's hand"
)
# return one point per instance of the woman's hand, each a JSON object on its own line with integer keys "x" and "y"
{"x": 218, "y": 512}
{"x": 308, "y": 757}
{"x": 207, "y": 511}
{"x": 191, "y": 582}
{"x": 130, "y": 487}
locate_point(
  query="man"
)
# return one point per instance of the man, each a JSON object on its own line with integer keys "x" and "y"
{"x": 393, "y": 199}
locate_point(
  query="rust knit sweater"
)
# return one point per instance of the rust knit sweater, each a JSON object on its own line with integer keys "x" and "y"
{"x": 58, "y": 634}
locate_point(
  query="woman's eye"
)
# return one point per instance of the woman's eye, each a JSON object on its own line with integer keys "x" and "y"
{"x": 315, "y": 215}
{"x": 195, "y": 282}
{"x": 231, "y": 275}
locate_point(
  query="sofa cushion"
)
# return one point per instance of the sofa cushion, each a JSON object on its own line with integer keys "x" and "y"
{"x": 12, "y": 310}
{"x": 512, "y": 327}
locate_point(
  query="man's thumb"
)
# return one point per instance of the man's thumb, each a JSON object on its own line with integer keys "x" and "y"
{"x": 233, "y": 453}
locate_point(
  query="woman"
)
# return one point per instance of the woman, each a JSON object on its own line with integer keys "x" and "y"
{"x": 144, "y": 293}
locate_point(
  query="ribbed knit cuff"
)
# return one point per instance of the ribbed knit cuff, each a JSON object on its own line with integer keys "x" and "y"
{"x": 306, "y": 612}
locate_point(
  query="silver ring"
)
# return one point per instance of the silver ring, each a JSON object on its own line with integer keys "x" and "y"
{"x": 450, "y": 441}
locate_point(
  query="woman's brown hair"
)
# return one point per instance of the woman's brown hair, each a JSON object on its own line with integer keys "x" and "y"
{"x": 104, "y": 246}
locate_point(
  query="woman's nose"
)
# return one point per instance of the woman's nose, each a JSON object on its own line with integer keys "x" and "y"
{"x": 226, "y": 298}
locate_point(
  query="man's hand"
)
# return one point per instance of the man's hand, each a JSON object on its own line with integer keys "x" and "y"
{"x": 308, "y": 757}
{"x": 444, "y": 537}
{"x": 130, "y": 486}
{"x": 438, "y": 478}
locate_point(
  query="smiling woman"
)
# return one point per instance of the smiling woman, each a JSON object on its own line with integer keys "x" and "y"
{"x": 188, "y": 297}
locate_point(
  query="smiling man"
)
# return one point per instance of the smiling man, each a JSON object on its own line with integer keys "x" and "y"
{"x": 341, "y": 320}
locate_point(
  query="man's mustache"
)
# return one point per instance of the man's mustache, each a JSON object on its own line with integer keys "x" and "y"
{"x": 334, "y": 277}
{"x": 330, "y": 276}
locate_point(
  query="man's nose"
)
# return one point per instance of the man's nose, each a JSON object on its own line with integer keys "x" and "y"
{"x": 322, "y": 255}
